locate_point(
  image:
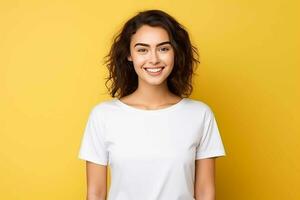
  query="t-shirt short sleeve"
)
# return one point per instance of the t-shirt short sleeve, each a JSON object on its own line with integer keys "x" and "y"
{"x": 210, "y": 144}
{"x": 93, "y": 147}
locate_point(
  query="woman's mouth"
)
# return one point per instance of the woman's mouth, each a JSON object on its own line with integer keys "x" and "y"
{"x": 154, "y": 71}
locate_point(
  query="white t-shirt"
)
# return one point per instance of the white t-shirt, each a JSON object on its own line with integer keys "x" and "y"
{"x": 151, "y": 153}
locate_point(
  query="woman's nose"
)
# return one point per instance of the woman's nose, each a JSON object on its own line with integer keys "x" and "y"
{"x": 154, "y": 58}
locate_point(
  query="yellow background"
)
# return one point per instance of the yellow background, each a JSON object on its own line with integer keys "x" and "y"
{"x": 51, "y": 74}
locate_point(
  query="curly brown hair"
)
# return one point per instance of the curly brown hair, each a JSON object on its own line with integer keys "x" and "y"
{"x": 121, "y": 71}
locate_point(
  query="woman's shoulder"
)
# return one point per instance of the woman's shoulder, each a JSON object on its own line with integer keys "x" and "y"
{"x": 198, "y": 109}
{"x": 197, "y": 103}
{"x": 103, "y": 105}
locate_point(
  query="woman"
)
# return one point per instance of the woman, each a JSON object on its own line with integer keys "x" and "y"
{"x": 160, "y": 144}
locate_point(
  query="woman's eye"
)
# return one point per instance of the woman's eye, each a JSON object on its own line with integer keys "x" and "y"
{"x": 142, "y": 50}
{"x": 165, "y": 49}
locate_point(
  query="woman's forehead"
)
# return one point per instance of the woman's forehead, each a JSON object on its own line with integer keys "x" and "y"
{"x": 150, "y": 35}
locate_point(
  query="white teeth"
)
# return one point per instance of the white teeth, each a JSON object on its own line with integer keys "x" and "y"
{"x": 154, "y": 69}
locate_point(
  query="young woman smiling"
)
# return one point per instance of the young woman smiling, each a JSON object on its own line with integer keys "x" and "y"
{"x": 160, "y": 144}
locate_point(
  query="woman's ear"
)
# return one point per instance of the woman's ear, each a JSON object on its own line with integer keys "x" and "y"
{"x": 129, "y": 58}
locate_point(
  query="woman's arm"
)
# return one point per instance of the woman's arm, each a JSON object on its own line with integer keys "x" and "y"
{"x": 205, "y": 179}
{"x": 96, "y": 181}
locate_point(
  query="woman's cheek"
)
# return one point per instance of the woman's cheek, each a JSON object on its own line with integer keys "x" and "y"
{"x": 140, "y": 60}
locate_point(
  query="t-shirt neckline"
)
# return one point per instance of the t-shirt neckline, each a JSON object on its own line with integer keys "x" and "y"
{"x": 160, "y": 110}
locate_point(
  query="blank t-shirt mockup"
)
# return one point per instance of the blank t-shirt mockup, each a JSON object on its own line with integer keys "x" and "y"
{"x": 151, "y": 153}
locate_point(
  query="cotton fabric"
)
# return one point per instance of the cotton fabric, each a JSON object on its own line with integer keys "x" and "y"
{"x": 151, "y": 153}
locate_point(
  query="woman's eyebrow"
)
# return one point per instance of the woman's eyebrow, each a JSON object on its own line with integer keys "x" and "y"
{"x": 147, "y": 45}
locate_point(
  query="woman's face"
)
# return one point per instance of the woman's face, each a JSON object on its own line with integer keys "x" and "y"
{"x": 150, "y": 47}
